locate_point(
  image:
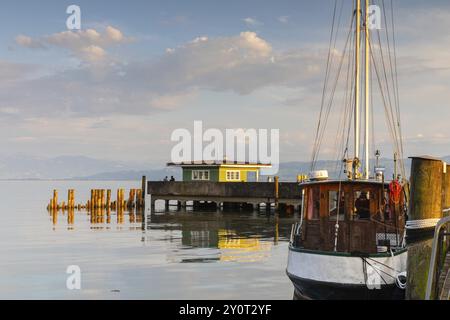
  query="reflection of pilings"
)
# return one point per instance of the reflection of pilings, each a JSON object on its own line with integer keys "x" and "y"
{"x": 55, "y": 217}
{"x": 71, "y": 216}
{"x": 277, "y": 222}
{"x": 132, "y": 216}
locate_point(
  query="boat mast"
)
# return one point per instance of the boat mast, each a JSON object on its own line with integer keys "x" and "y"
{"x": 358, "y": 93}
{"x": 357, "y": 81}
{"x": 367, "y": 89}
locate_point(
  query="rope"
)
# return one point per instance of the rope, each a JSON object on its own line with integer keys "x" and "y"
{"x": 384, "y": 265}
{"x": 400, "y": 280}
{"x": 325, "y": 85}
{"x": 421, "y": 223}
{"x": 326, "y": 104}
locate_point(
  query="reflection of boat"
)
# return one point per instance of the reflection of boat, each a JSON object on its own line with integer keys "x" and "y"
{"x": 349, "y": 241}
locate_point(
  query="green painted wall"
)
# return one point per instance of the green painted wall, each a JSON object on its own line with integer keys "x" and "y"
{"x": 213, "y": 173}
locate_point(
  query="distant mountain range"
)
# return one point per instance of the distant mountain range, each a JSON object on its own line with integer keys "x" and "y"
{"x": 31, "y": 167}
{"x": 85, "y": 168}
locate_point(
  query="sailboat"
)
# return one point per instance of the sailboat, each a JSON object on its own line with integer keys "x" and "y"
{"x": 349, "y": 242}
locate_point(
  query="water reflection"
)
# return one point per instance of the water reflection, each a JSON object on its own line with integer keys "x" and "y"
{"x": 192, "y": 236}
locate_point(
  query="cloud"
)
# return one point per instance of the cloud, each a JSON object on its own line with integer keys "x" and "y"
{"x": 88, "y": 45}
{"x": 28, "y": 42}
{"x": 13, "y": 72}
{"x": 170, "y": 102}
{"x": 9, "y": 111}
{"x": 283, "y": 19}
{"x": 251, "y": 22}
{"x": 241, "y": 64}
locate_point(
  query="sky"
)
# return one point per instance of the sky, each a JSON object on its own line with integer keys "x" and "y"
{"x": 138, "y": 70}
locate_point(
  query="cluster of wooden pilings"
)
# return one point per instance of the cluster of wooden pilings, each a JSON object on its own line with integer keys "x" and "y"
{"x": 429, "y": 202}
{"x": 100, "y": 199}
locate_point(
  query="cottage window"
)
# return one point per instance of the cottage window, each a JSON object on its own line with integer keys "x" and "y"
{"x": 200, "y": 175}
{"x": 233, "y": 175}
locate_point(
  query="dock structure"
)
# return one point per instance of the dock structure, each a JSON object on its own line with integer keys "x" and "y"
{"x": 286, "y": 195}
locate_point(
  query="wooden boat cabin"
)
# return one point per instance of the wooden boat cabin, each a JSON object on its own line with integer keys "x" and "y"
{"x": 368, "y": 217}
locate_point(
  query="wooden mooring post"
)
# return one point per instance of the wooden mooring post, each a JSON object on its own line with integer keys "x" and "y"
{"x": 446, "y": 201}
{"x": 100, "y": 199}
{"x": 277, "y": 193}
{"x": 143, "y": 192}
{"x": 425, "y": 209}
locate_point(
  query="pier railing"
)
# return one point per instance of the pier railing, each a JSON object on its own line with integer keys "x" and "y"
{"x": 440, "y": 254}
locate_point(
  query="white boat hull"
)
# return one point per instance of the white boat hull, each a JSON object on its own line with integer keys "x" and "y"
{"x": 325, "y": 275}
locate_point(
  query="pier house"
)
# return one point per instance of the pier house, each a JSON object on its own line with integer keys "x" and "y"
{"x": 220, "y": 171}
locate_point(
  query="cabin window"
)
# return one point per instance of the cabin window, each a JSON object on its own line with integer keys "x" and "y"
{"x": 200, "y": 175}
{"x": 335, "y": 205}
{"x": 362, "y": 205}
{"x": 233, "y": 175}
{"x": 313, "y": 204}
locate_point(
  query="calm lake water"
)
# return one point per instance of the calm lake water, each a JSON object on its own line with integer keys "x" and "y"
{"x": 172, "y": 255}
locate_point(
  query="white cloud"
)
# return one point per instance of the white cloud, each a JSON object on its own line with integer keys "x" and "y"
{"x": 28, "y": 42}
{"x": 9, "y": 111}
{"x": 251, "y": 22}
{"x": 283, "y": 19}
{"x": 242, "y": 64}
{"x": 13, "y": 72}
{"x": 170, "y": 102}
{"x": 88, "y": 45}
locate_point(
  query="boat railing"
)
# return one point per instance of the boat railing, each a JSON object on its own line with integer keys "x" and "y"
{"x": 439, "y": 251}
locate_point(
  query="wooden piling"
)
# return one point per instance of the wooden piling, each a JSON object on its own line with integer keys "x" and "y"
{"x": 138, "y": 199}
{"x": 91, "y": 202}
{"x": 55, "y": 200}
{"x": 276, "y": 180}
{"x": 108, "y": 199}
{"x": 446, "y": 187}
{"x": 143, "y": 190}
{"x": 103, "y": 193}
{"x": 71, "y": 199}
{"x": 131, "y": 198}
{"x": 99, "y": 199}
{"x": 425, "y": 207}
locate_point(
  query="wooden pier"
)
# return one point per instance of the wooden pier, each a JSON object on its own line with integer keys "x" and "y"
{"x": 282, "y": 195}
